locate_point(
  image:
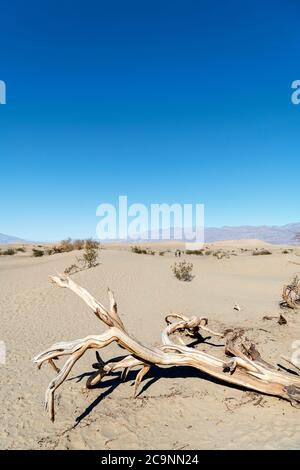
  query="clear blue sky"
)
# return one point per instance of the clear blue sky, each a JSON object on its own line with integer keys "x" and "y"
{"x": 165, "y": 101}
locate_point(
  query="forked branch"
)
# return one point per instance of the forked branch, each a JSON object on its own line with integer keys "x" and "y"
{"x": 245, "y": 368}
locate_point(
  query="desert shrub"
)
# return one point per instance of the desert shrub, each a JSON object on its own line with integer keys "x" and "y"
{"x": 138, "y": 250}
{"x": 9, "y": 251}
{"x": 71, "y": 269}
{"x": 261, "y": 252}
{"x": 37, "y": 253}
{"x": 90, "y": 256}
{"x": 66, "y": 245}
{"x": 78, "y": 244}
{"x": 89, "y": 243}
{"x": 162, "y": 253}
{"x": 21, "y": 249}
{"x": 194, "y": 252}
{"x": 221, "y": 254}
{"x": 49, "y": 251}
{"x": 57, "y": 249}
{"x": 183, "y": 270}
{"x": 142, "y": 251}
{"x": 208, "y": 252}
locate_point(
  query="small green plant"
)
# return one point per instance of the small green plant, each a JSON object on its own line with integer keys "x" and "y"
{"x": 37, "y": 253}
{"x": 9, "y": 252}
{"x": 90, "y": 255}
{"x": 183, "y": 270}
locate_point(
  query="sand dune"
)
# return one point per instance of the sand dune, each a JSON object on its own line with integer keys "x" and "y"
{"x": 205, "y": 414}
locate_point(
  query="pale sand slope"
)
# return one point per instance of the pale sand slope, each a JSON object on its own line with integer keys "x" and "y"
{"x": 181, "y": 409}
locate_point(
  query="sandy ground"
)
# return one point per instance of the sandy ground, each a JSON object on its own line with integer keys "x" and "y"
{"x": 178, "y": 408}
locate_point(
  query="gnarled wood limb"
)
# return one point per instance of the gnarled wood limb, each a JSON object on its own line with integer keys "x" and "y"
{"x": 246, "y": 368}
{"x": 291, "y": 294}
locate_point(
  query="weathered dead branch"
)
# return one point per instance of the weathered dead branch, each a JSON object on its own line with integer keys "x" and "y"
{"x": 245, "y": 368}
{"x": 291, "y": 294}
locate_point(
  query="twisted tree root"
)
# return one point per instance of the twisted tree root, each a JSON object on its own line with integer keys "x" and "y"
{"x": 245, "y": 369}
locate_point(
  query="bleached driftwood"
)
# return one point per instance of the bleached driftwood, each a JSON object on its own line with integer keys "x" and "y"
{"x": 291, "y": 294}
{"x": 245, "y": 368}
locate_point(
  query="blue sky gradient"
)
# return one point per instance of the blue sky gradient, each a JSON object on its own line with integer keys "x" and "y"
{"x": 163, "y": 101}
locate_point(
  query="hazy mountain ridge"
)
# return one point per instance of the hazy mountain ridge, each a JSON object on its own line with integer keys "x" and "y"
{"x": 276, "y": 234}
{"x": 279, "y": 235}
{"x": 6, "y": 239}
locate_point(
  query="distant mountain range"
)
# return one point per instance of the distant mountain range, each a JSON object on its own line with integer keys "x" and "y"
{"x": 4, "y": 239}
{"x": 276, "y": 234}
{"x": 279, "y": 235}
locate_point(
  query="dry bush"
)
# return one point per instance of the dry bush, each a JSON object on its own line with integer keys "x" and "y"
{"x": 221, "y": 254}
{"x": 89, "y": 243}
{"x": 195, "y": 252}
{"x": 66, "y": 245}
{"x": 69, "y": 245}
{"x": 72, "y": 269}
{"x": 37, "y": 253}
{"x": 263, "y": 251}
{"x": 9, "y": 252}
{"x": 183, "y": 270}
{"x": 78, "y": 244}
{"x": 57, "y": 249}
{"x": 138, "y": 250}
{"x": 142, "y": 251}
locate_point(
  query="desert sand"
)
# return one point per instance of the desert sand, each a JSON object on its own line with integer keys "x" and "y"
{"x": 178, "y": 408}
